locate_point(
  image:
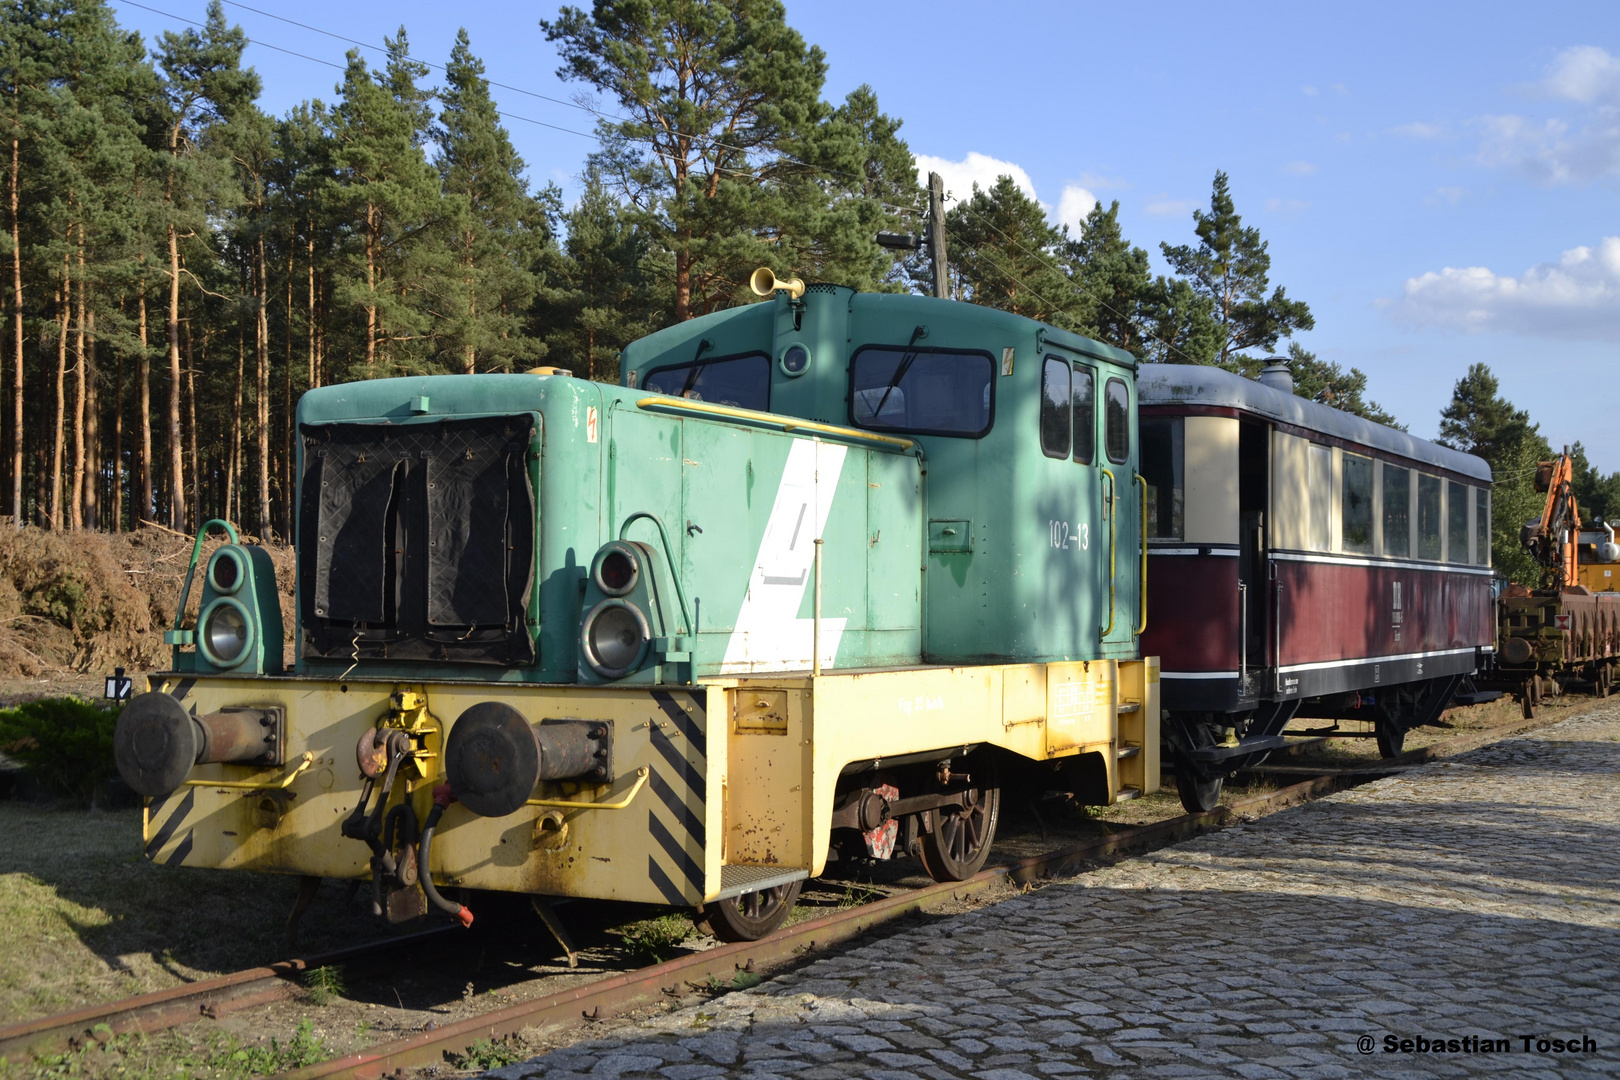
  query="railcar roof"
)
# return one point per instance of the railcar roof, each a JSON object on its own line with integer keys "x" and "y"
{"x": 1196, "y": 384}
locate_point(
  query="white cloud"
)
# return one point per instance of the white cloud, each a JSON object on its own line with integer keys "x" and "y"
{"x": 1172, "y": 207}
{"x": 1586, "y": 74}
{"x": 1299, "y": 168}
{"x": 1419, "y": 130}
{"x": 976, "y": 168}
{"x": 1073, "y": 206}
{"x": 1308, "y": 91}
{"x": 1340, "y": 88}
{"x": 1342, "y": 137}
{"x": 1557, "y": 150}
{"x": 1286, "y": 206}
{"x": 1577, "y": 297}
{"x": 1451, "y": 196}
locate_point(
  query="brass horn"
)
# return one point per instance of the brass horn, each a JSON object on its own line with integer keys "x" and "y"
{"x": 764, "y": 282}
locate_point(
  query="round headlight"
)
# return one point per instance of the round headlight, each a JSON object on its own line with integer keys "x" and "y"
{"x": 795, "y": 360}
{"x": 226, "y": 572}
{"x": 615, "y": 638}
{"x": 227, "y": 633}
{"x": 617, "y": 568}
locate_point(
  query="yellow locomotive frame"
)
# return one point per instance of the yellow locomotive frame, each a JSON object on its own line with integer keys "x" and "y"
{"x": 719, "y": 788}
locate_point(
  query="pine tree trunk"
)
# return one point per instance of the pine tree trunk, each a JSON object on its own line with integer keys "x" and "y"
{"x": 17, "y": 325}
{"x": 177, "y": 475}
{"x": 118, "y": 447}
{"x": 92, "y": 426}
{"x": 191, "y": 443}
{"x": 65, "y": 309}
{"x": 683, "y": 281}
{"x": 285, "y": 470}
{"x": 261, "y": 395}
{"x": 314, "y": 376}
{"x": 371, "y": 289}
{"x": 144, "y": 508}
{"x": 233, "y": 475}
{"x": 76, "y": 504}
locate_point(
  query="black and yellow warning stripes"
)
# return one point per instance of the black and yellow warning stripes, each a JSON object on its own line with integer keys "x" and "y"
{"x": 678, "y": 779}
{"x": 169, "y": 814}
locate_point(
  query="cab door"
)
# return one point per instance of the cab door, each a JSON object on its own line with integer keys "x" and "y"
{"x": 1120, "y": 512}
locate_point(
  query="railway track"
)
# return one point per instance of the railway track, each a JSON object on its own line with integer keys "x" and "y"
{"x": 709, "y": 970}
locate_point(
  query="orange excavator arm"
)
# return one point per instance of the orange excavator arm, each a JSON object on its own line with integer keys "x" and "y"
{"x": 1553, "y": 539}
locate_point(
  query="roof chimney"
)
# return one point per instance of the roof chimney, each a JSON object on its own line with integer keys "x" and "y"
{"x": 1277, "y": 375}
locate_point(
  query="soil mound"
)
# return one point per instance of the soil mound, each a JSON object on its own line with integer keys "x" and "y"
{"x": 88, "y": 601}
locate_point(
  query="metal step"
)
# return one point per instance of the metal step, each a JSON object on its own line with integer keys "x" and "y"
{"x": 1478, "y": 697}
{"x": 1127, "y": 750}
{"x": 1258, "y": 744}
{"x": 738, "y": 879}
{"x": 1126, "y": 794}
{"x": 1127, "y": 707}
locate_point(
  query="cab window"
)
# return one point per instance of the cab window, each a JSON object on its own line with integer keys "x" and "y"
{"x": 1117, "y": 422}
{"x": 921, "y": 391}
{"x": 743, "y": 382}
{"x": 1085, "y": 414}
{"x": 1055, "y": 407}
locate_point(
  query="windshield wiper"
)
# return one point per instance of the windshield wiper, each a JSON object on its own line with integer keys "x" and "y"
{"x": 899, "y": 371}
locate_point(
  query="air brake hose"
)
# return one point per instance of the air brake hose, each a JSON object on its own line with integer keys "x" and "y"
{"x": 442, "y": 798}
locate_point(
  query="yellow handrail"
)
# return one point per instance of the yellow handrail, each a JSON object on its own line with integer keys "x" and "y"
{"x": 255, "y": 785}
{"x": 1108, "y": 511}
{"x": 1141, "y": 626}
{"x": 786, "y": 423}
{"x": 564, "y": 804}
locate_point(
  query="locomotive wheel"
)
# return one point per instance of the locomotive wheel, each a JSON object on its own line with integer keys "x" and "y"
{"x": 1199, "y": 793}
{"x": 955, "y": 842}
{"x": 750, "y": 916}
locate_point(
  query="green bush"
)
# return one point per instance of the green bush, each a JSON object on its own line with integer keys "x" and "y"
{"x": 65, "y": 743}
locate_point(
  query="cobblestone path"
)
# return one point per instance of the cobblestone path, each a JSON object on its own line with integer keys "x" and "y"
{"x": 1478, "y": 897}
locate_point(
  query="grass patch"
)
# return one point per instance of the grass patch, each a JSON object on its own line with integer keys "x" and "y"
{"x": 324, "y": 984}
{"x": 488, "y": 1054}
{"x": 652, "y": 941}
{"x": 88, "y": 919}
{"x": 170, "y": 1055}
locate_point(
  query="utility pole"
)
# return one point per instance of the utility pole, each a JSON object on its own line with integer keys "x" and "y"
{"x": 936, "y": 235}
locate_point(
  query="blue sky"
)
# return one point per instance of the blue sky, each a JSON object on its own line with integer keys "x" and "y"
{"x": 1441, "y": 182}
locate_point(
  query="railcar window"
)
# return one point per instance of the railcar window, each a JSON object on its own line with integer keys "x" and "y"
{"x": 921, "y": 391}
{"x": 1117, "y": 422}
{"x": 1456, "y": 522}
{"x": 740, "y": 381}
{"x": 1482, "y": 526}
{"x": 1428, "y": 522}
{"x": 1085, "y": 414}
{"x": 1055, "y": 407}
{"x": 1357, "y": 484}
{"x": 1162, "y": 455}
{"x": 1321, "y": 497}
{"x": 1397, "y": 510}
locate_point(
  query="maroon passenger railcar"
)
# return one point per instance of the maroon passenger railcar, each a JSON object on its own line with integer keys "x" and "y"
{"x": 1302, "y": 561}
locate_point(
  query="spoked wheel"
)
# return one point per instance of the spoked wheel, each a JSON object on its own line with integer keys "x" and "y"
{"x": 1199, "y": 793}
{"x": 750, "y": 916}
{"x": 955, "y": 842}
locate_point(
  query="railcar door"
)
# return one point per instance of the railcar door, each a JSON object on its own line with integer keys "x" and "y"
{"x": 1254, "y": 578}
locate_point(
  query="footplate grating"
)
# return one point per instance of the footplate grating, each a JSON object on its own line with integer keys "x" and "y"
{"x": 736, "y": 880}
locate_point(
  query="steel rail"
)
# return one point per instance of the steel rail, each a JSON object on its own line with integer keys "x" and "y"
{"x": 210, "y": 998}
{"x": 719, "y": 966}
{"x": 215, "y": 997}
